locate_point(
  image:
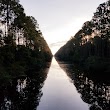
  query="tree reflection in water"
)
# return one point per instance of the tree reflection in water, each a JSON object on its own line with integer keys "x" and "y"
{"x": 24, "y": 93}
{"x": 96, "y": 94}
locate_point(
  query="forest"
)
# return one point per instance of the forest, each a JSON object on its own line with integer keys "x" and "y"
{"x": 90, "y": 47}
{"x": 23, "y": 48}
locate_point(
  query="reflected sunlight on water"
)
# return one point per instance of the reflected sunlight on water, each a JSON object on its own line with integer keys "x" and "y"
{"x": 59, "y": 93}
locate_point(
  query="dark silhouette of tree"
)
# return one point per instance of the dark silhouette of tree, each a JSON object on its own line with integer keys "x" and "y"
{"x": 93, "y": 91}
{"x": 90, "y": 46}
{"x": 22, "y": 46}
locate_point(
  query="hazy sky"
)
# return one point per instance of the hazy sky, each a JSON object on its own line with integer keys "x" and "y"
{"x": 60, "y": 19}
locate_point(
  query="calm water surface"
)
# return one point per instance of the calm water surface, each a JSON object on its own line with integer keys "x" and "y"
{"x": 59, "y": 93}
{"x": 60, "y": 87}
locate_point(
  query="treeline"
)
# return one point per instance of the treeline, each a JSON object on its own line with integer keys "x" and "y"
{"x": 22, "y": 46}
{"x": 90, "y": 47}
{"x": 93, "y": 90}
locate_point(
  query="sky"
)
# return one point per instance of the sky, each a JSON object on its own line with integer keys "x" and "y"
{"x": 60, "y": 19}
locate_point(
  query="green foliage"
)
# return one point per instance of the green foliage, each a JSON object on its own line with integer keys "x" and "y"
{"x": 22, "y": 46}
{"x": 95, "y": 64}
{"x": 90, "y": 47}
{"x": 5, "y": 78}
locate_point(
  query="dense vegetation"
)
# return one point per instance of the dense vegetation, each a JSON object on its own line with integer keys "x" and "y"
{"x": 90, "y": 47}
{"x": 93, "y": 91}
{"x": 22, "y": 46}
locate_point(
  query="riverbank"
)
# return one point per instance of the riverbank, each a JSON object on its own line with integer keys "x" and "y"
{"x": 23, "y": 48}
{"x": 97, "y": 75}
{"x": 20, "y": 60}
{"x": 90, "y": 46}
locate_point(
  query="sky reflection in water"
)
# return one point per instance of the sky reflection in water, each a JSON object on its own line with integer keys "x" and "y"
{"x": 59, "y": 93}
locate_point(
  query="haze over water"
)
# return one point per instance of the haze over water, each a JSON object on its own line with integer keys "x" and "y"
{"x": 59, "y": 93}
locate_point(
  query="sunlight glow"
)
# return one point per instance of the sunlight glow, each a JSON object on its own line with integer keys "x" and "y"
{"x": 60, "y": 19}
{"x": 63, "y": 33}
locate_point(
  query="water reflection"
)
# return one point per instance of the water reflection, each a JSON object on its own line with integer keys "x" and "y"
{"x": 59, "y": 93}
{"x": 94, "y": 93}
{"x": 24, "y": 93}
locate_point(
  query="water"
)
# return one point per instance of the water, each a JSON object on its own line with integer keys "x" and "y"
{"x": 60, "y": 87}
{"x": 59, "y": 93}
{"x": 24, "y": 93}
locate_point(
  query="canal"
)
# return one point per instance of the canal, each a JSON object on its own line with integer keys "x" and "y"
{"x": 59, "y": 93}
{"x": 60, "y": 86}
